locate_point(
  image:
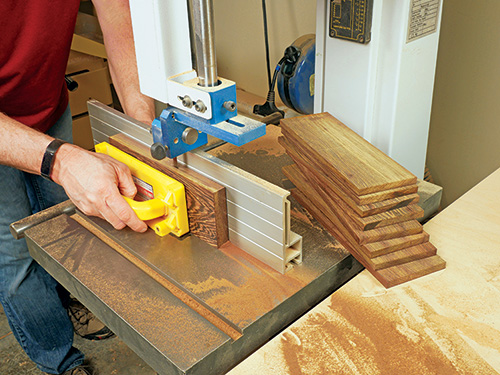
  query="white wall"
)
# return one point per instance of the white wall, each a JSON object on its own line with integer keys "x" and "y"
{"x": 239, "y": 37}
{"x": 464, "y": 137}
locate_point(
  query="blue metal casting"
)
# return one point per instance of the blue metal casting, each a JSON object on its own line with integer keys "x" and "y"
{"x": 168, "y": 130}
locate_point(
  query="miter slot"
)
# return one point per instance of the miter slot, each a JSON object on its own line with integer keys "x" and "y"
{"x": 167, "y": 282}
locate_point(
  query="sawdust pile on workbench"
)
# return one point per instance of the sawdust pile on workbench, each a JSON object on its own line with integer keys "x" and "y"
{"x": 348, "y": 335}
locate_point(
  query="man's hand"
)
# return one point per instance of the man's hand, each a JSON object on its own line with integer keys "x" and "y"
{"x": 95, "y": 183}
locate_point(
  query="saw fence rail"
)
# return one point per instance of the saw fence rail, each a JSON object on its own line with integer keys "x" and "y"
{"x": 258, "y": 211}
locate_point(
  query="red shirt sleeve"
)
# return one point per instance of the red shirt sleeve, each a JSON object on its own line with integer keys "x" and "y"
{"x": 35, "y": 39}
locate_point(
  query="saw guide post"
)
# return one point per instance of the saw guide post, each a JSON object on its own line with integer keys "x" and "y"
{"x": 336, "y": 172}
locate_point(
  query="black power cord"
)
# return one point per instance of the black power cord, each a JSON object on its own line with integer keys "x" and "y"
{"x": 269, "y": 107}
{"x": 266, "y": 40}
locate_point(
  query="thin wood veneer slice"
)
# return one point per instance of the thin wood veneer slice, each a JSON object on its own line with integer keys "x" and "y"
{"x": 375, "y": 249}
{"x": 393, "y": 216}
{"x": 297, "y": 151}
{"x": 404, "y": 256}
{"x": 389, "y": 276}
{"x": 361, "y": 237}
{"x": 206, "y": 199}
{"x": 357, "y": 163}
{"x": 361, "y": 210}
{"x": 409, "y": 271}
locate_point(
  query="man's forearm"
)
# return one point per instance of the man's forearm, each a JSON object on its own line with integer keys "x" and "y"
{"x": 114, "y": 18}
{"x": 92, "y": 181}
{"x": 20, "y": 146}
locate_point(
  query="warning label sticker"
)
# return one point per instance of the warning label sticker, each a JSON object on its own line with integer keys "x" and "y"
{"x": 423, "y": 20}
{"x": 144, "y": 190}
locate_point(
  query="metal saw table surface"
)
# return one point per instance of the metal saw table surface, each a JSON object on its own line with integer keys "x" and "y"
{"x": 158, "y": 326}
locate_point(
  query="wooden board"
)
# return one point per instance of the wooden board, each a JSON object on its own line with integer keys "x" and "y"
{"x": 393, "y": 216}
{"x": 411, "y": 271}
{"x": 404, "y": 256}
{"x": 357, "y": 163}
{"x": 388, "y": 277}
{"x": 361, "y": 237}
{"x": 206, "y": 199}
{"x": 361, "y": 210}
{"x": 375, "y": 249}
{"x": 340, "y": 226}
{"x": 298, "y": 151}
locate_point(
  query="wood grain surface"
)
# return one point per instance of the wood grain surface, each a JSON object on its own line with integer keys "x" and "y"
{"x": 332, "y": 143}
{"x": 361, "y": 196}
{"x": 384, "y": 218}
{"x": 206, "y": 199}
{"x": 362, "y": 210}
{"x": 297, "y": 151}
{"x": 316, "y": 193}
{"x": 375, "y": 249}
{"x": 391, "y": 275}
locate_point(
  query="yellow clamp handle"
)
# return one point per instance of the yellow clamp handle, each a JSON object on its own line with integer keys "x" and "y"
{"x": 147, "y": 210}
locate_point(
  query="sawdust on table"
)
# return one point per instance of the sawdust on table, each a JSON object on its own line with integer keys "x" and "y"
{"x": 256, "y": 294}
{"x": 267, "y": 144}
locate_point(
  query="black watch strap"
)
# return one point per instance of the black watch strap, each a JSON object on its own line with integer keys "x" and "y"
{"x": 48, "y": 158}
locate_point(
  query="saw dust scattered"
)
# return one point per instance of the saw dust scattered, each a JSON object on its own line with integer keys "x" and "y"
{"x": 382, "y": 335}
{"x": 259, "y": 291}
{"x": 167, "y": 324}
{"x": 267, "y": 144}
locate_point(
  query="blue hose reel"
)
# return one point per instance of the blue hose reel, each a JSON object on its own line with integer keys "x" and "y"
{"x": 296, "y": 76}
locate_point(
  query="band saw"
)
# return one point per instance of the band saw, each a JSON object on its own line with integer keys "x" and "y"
{"x": 182, "y": 304}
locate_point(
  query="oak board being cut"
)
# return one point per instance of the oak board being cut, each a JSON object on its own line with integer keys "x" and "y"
{"x": 206, "y": 199}
{"x": 332, "y": 143}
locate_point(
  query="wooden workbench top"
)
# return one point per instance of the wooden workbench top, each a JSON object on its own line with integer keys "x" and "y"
{"x": 444, "y": 323}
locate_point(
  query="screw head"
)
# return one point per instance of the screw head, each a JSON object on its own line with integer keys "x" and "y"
{"x": 186, "y": 101}
{"x": 230, "y": 106}
{"x": 200, "y": 106}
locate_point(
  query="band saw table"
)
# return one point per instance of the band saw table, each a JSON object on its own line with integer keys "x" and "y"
{"x": 244, "y": 293}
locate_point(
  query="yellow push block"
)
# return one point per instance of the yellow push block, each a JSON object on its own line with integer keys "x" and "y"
{"x": 163, "y": 204}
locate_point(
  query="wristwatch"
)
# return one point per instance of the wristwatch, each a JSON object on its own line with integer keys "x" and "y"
{"x": 48, "y": 158}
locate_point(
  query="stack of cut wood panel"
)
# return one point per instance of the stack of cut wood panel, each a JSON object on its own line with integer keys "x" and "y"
{"x": 366, "y": 200}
